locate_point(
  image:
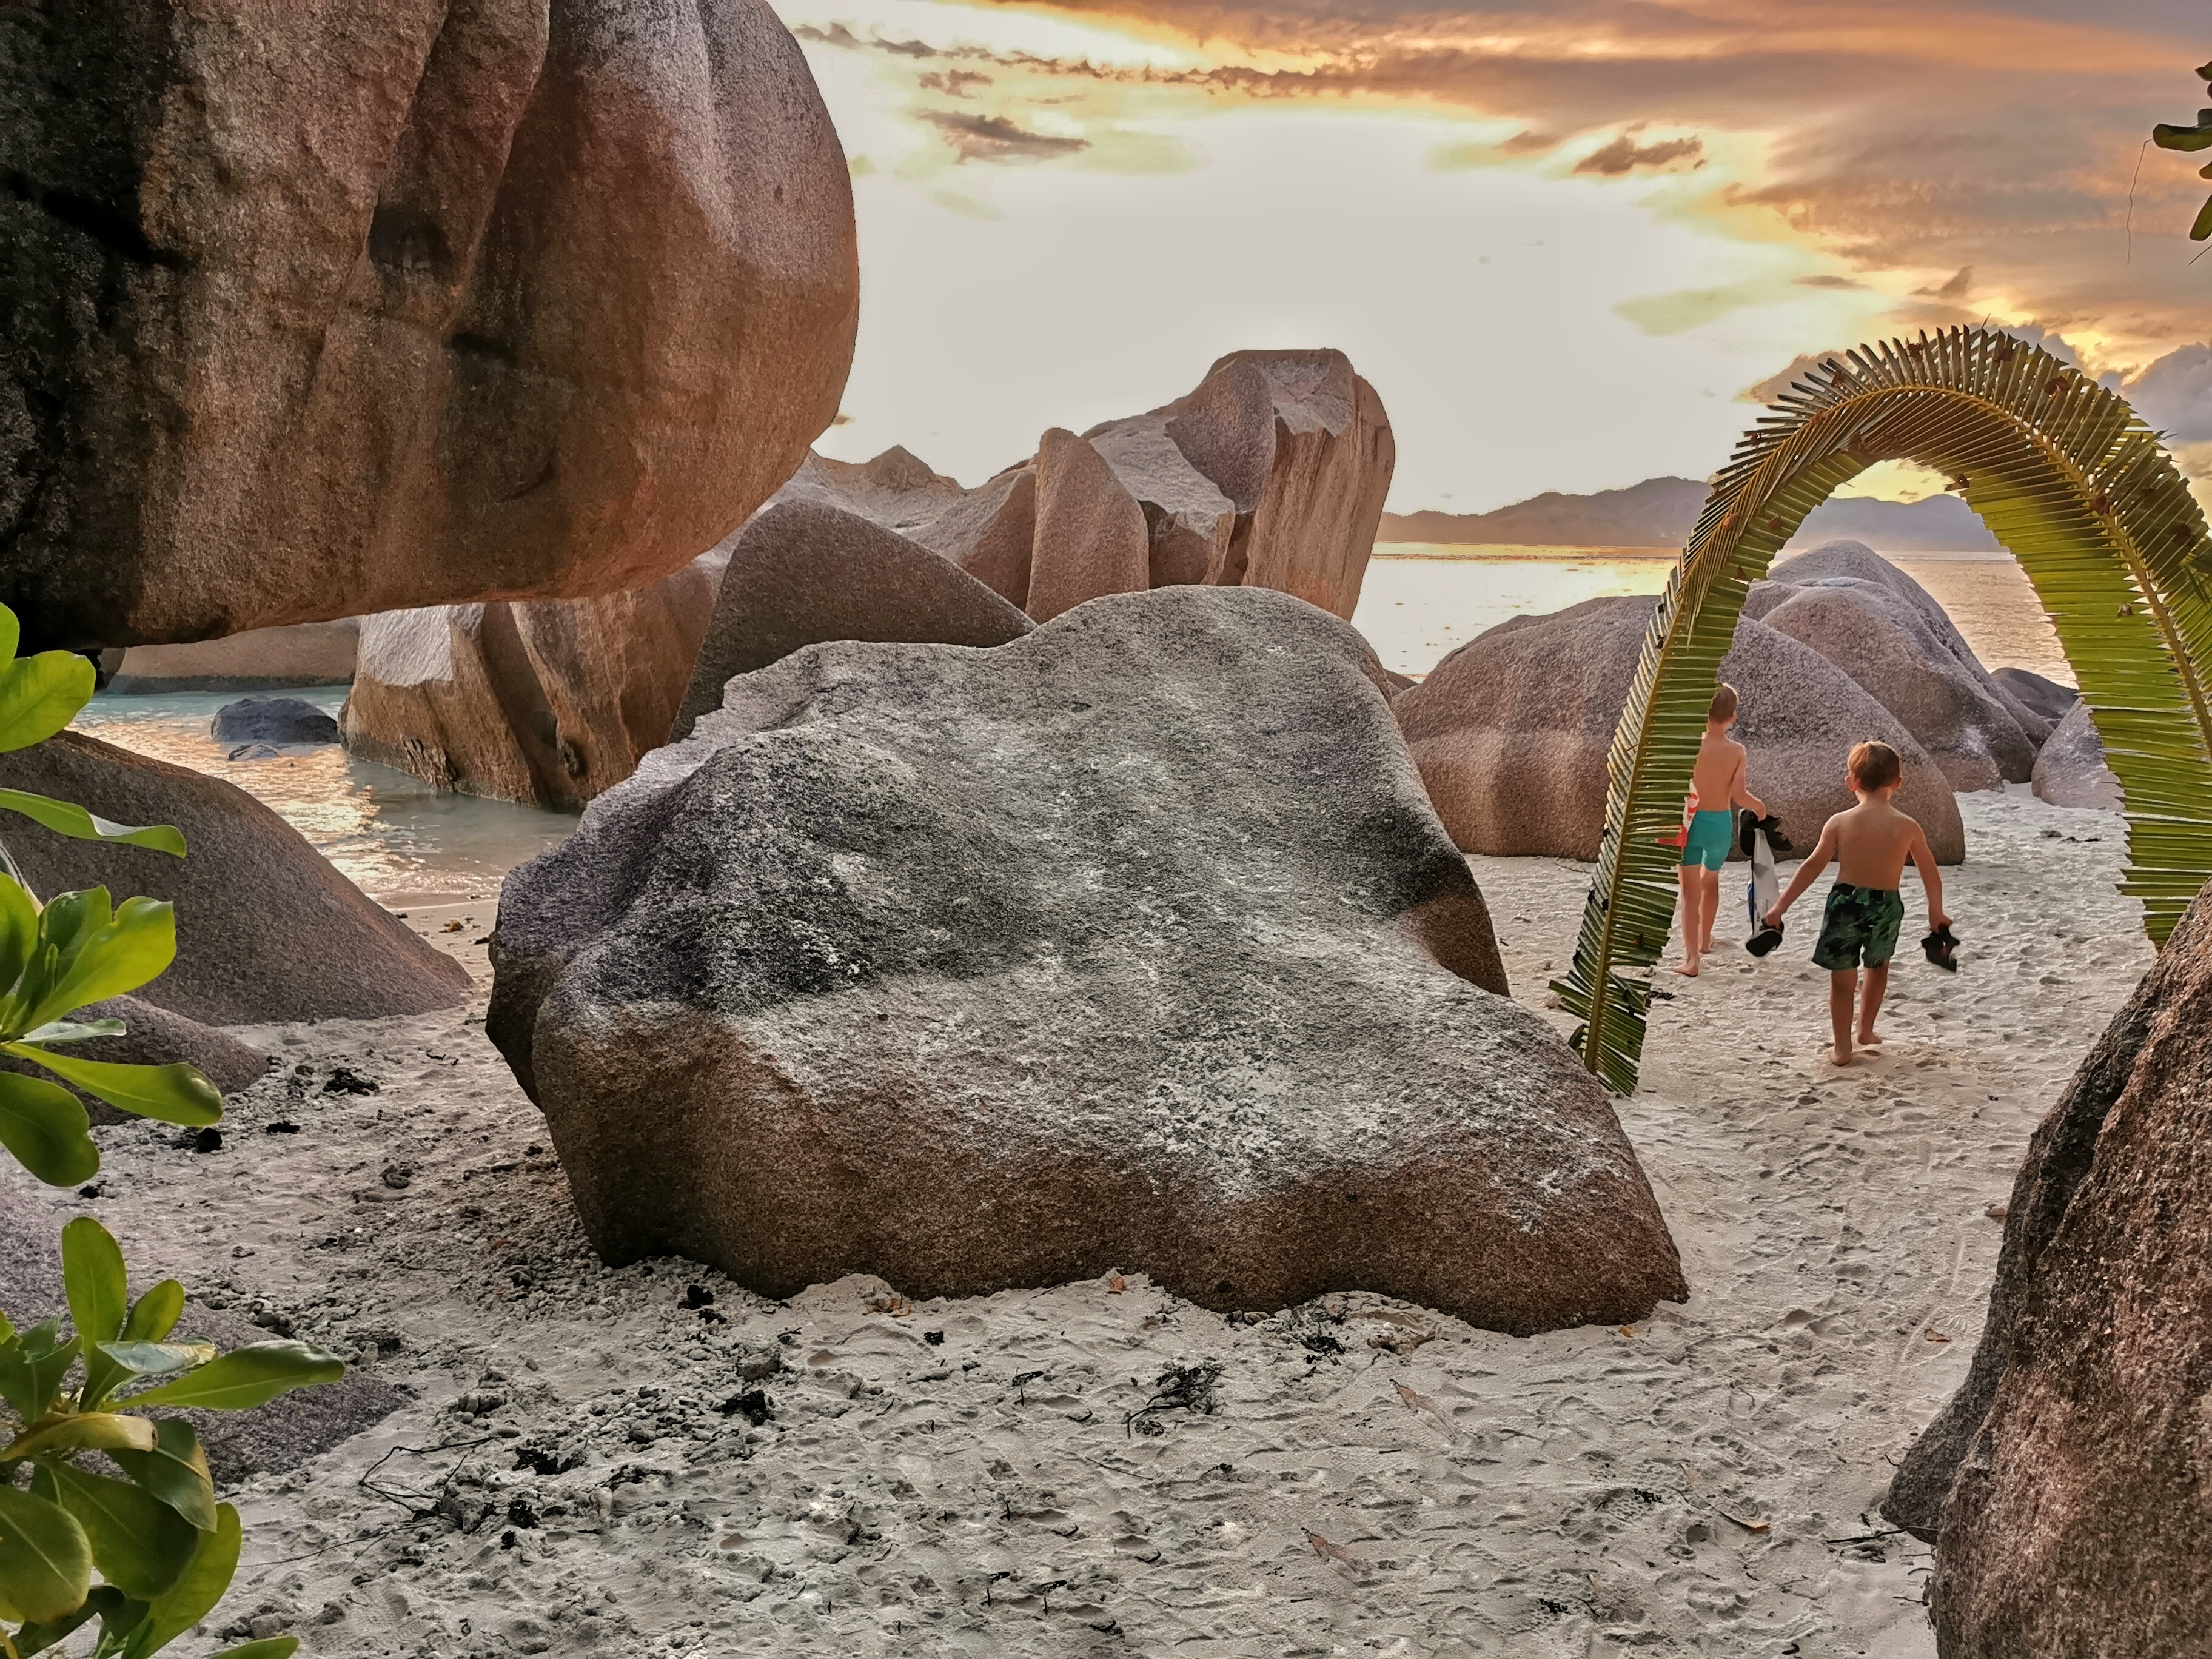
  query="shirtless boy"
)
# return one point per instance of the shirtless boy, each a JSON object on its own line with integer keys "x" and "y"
{"x": 1873, "y": 840}
{"x": 1720, "y": 781}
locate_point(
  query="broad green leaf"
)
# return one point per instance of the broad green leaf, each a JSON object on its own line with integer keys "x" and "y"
{"x": 11, "y": 634}
{"x": 158, "y": 1358}
{"x": 174, "y": 1093}
{"x": 269, "y": 1647}
{"x": 246, "y": 1377}
{"x": 38, "y": 1637}
{"x": 2166, "y": 136}
{"x": 73, "y": 1030}
{"x": 2203, "y": 227}
{"x": 83, "y": 1431}
{"x": 92, "y": 1275}
{"x": 196, "y": 1590}
{"x": 44, "y": 1125}
{"x": 140, "y": 1545}
{"x": 175, "y": 1471}
{"x": 46, "y": 1559}
{"x": 40, "y": 695}
{"x": 67, "y": 818}
{"x": 116, "y": 1612}
{"x": 155, "y": 1314}
{"x": 132, "y": 946}
{"x": 19, "y": 931}
{"x": 31, "y": 1368}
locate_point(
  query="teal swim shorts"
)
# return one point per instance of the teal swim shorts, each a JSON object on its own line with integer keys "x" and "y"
{"x": 1861, "y": 922}
{"x": 1711, "y": 835}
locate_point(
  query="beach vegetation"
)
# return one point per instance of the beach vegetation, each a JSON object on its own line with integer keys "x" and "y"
{"x": 107, "y": 1513}
{"x": 2068, "y": 478}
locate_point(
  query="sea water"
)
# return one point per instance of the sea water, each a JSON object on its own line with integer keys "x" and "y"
{"x": 403, "y": 841}
{"x": 1421, "y": 602}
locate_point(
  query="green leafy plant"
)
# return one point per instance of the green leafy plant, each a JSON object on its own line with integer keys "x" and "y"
{"x": 2167, "y": 135}
{"x": 2066, "y": 476}
{"x": 161, "y": 1549}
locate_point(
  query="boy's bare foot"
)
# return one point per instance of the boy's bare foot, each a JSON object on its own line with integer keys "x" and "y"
{"x": 1870, "y": 1039}
{"x": 1839, "y": 1056}
{"x": 1687, "y": 967}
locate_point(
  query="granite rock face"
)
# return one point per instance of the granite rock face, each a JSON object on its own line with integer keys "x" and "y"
{"x": 1889, "y": 641}
{"x": 272, "y": 721}
{"x": 1132, "y": 943}
{"x": 2070, "y": 769}
{"x": 2079, "y": 1520}
{"x": 1271, "y": 474}
{"x": 804, "y": 572}
{"x": 2045, "y": 697}
{"x": 266, "y": 929}
{"x": 259, "y": 659}
{"x": 544, "y": 701}
{"x": 1511, "y": 733}
{"x": 315, "y": 311}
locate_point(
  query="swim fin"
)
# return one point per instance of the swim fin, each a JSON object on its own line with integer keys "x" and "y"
{"x": 1942, "y": 949}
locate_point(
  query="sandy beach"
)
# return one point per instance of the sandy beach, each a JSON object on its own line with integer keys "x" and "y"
{"x": 1098, "y": 1468}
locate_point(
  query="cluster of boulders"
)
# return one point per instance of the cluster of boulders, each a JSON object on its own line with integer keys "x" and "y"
{"x": 1511, "y": 731}
{"x": 1163, "y": 960}
{"x": 1272, "y": 473}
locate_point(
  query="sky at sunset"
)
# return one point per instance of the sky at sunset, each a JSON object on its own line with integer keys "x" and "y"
{"x": 1564, "y": 241}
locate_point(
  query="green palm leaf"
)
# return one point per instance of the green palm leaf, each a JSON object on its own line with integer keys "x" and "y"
{"x": 2067, "y": 476}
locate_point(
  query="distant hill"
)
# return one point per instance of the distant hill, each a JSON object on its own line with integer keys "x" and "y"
{"x": 1660, "y": 511}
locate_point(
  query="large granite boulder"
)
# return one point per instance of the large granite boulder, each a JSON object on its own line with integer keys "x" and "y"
{"x": 1133, "y": 943}
{"x": 1511, "y": 732}
{"x": 988, "y": 532}
{"x": 266, "y": 929}
{"x": 155, "y": 1036}
{"x": 259, "y": 659}
{"x": 314, "y": 311}
{"x": 2039, "y": 694}
{"x": 803, "y": 571}
{"x": 2078, "y": 1518}
{"x": 2070, "y": 769}
{"x": 545, "y": 701}
{"x": 1888, "y": 640}
{"x": 278, "y": 720}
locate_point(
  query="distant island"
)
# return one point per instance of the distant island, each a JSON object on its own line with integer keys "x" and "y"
{"x": 1660, "y": 511}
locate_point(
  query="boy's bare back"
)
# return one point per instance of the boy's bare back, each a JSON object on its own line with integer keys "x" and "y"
{"x": 1873, "y": 842}
{"x": 1718, "y": 778}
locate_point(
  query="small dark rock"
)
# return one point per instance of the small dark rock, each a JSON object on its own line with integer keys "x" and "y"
{"x": 209, "y": 1139}
{"x": 398, "y": 1175}
{"x": 520, "y": 1514}
{"x": 281, "y": 1126}
{"x": 752, "y": 1405}
{"x": 935, "y": 1339}
{"x": 270, "y": 1320}
{"x": 697, "y": 1296}
{"x": 262, "y": 721}
{"x": 344, "y": 1080}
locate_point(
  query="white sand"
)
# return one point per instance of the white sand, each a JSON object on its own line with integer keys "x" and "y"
{"x": 1470, "y": 1494}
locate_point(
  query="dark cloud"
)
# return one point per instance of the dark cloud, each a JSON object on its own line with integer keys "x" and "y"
{"x": 1624, "y": 155}
{"x": 1956, "y": 288}
{"x": 996, "y": 138}
{"x": 1828, "y": 280}
{"x": 2175, "y": 394}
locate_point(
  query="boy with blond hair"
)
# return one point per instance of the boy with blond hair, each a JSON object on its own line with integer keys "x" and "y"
{"x": 1874, "y": 841}
{"x": 1720, "y": 780}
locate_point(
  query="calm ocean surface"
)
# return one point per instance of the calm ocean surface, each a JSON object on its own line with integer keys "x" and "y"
{"x": 403, "y": 841}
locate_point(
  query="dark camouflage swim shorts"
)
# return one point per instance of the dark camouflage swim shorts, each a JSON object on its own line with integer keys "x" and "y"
{"x": 1860, "y": 924}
